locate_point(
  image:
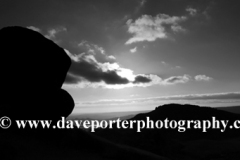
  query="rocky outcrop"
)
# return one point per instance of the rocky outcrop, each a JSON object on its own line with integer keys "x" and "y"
{"x": 33, "y": 69}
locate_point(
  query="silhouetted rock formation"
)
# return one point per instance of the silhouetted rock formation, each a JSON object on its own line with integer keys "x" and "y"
{"x": 32, "y": 70}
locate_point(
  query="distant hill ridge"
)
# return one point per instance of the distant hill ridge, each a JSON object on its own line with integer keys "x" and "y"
{"x": 186, "y": 111}
{"x": 170, "y": 142}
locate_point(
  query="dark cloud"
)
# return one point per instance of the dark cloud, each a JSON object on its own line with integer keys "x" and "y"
{"x": 142, "y": 79}
{"x": 92, "y": 73}
{"x": 86, "y": 70}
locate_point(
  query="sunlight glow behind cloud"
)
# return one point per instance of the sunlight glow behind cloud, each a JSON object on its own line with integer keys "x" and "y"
{"x": 96, "y": 75}
{"x": 87, "y": 71}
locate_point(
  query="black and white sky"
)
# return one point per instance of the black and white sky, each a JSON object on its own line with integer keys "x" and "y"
{"x": 138, "y": 54}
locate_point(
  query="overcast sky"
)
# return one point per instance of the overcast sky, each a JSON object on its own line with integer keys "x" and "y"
{"x": 138, "y": 54}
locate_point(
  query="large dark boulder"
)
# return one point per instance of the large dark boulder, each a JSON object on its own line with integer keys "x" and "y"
{"x": 33, "y": 69}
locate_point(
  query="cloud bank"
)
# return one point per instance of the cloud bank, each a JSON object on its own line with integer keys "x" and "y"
{"x": 149, "y": 28}
{"x": 92, "y": 67}
{"x": 87, "y": 71}
{"x": 232, "y": 96}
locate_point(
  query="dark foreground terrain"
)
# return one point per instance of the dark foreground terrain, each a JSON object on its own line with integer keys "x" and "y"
{"x": 65, "y": 145}
{"x": 118, "y": 144}
{"x": 191, "y": 144}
